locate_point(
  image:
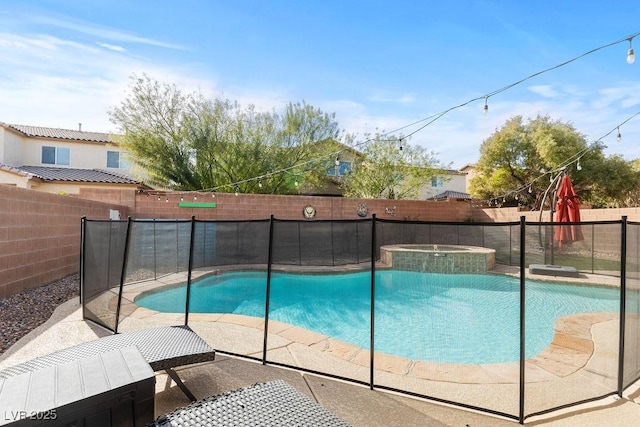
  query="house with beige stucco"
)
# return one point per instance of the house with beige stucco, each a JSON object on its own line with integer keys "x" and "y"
{"x": 62, "y": 160}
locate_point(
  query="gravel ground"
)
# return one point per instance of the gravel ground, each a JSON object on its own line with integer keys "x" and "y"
{"x": 23, "y": 312}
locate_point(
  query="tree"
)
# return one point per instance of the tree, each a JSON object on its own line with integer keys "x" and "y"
{"x": 390, "y": 168}
{"x": 187, "y": 142}
{"x": 519, "y": 159}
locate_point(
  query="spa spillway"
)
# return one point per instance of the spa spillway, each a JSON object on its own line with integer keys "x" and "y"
{"x": 438, "y": 258}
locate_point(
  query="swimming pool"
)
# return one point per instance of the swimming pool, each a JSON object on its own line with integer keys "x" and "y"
{"x": 457, "y": 318}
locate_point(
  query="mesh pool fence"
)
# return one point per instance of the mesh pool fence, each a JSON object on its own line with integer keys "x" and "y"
{"x": 466, "y": 316}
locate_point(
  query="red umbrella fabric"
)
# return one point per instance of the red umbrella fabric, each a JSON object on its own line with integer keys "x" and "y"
{"x": 567, "y": 210}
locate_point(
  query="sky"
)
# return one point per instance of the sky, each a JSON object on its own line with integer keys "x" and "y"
{"x": 380, "y": 66}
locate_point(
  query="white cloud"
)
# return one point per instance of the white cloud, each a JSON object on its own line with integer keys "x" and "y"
{"x": 546, "y": 91}
{"x": 102, "y": 32}
{"x": 112, "y": 47}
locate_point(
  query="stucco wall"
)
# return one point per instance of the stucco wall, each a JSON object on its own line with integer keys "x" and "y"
{"x": 514, "y": 214}
{"x": 40, "y": 236}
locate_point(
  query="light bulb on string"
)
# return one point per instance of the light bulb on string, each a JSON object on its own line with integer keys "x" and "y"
{"x": 213, "y": 195}
{"x": 530, "y": 190}
{"x": 485, "y": 110}
{"x": 400, "y": 148}
{"x": 578, "y": 165}
{"x": 181, "y": 198}
{"x": 166, "y": 200}
{"x": 619, "y": 136}
{"x": 195, "y": 197}
{"x": 631, "y": 57}
{"x": 337, "y": 162}
{"x": 260, "y": 184}
{"x": 296, "y": 183}
{"x": 158, "y": 198}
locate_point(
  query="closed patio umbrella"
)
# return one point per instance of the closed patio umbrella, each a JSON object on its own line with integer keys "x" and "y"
{"x": 567, "y": 210}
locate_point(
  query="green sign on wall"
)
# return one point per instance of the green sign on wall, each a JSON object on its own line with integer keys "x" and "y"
{"x": 196, "y": 205}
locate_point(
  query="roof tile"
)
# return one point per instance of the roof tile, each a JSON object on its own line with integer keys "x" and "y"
{"x": 55, "y": 133}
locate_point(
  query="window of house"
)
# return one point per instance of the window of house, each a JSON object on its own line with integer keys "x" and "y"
{"x": 341, "y": 169}
{"x": 116, "y": 160}
{"x": 437, "y": 181}
{"x": 56, "y": 155}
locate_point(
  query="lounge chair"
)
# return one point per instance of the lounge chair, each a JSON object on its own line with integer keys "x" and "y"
{"x": 270, "y": 404}
{"x": 163, "y": 348}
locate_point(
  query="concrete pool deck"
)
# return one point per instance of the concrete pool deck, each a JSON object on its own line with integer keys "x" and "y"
{"x": 356, "y": 404}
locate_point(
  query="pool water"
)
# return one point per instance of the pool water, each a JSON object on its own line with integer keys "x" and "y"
{"x": 456, "y": 318}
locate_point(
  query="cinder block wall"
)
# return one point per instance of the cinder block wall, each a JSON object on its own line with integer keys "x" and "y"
{"x": 40, "y": 236}
{"x": 261, "y": 206}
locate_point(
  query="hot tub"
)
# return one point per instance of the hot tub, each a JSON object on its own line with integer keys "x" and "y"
{"x": 439, "y": 258}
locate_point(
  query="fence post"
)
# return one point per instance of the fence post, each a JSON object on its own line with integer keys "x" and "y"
{"x": 623, "y": 303}
{"x": 522, "y": 316}
{"x": 83, "y": 222}
{"x": 373, "y": 298}
{"x": 268, "y": 292}
{"x": 123, "y": 272}
{"x": 190, "y": 268}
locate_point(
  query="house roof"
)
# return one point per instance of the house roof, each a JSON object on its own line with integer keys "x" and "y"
{"x": 55, "y": 133}
{"x": 450, "y": 194}
{"x": 46, "y": 173}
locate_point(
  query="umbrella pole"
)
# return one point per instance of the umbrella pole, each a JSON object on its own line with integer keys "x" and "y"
{"x": 553, "y": 206}
{"x": 555, "y": 182}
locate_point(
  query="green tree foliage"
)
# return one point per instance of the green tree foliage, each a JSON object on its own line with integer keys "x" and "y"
{"x": 187, "y": 142}
{"x": 384, "y": 171}
{"x": 517, "y": 156}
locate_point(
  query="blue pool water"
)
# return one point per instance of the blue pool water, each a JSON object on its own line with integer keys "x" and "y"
{"x": 457, "y": 318}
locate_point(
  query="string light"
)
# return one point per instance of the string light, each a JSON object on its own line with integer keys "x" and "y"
{"x": 195, "y": 197}
{"x": 486, "y": 106}
{"x": 631, "y": 57}
{"x": 578, "y": 165}
{"x": 400, "y": 148}
{"x": 619, "y": 136}
{"x": 337, "y": 162}
{"x": 260, "y": 184}
{"x": 158, "y": 198}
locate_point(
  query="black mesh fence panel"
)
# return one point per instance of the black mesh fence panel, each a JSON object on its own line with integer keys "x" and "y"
{"x": 571, "y": 320}
{"x": 631, "y": 371}
{"x": 103, "y": 255}
{"x": 321, "y": 243}
{"x": 443, "y": 317}
{"x": 316, "y": 305}
{"x": 158, "y": 257}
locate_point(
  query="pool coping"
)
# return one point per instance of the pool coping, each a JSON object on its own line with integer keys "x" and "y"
{"x": 570, "y": 350}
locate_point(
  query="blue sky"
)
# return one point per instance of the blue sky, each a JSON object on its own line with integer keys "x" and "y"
{"x": 379, "y": 65}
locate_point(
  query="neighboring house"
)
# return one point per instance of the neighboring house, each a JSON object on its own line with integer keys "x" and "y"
{"x": 62, "y": 160}
{"x": 341, "y": 163}
{"x": 452, "y": 183}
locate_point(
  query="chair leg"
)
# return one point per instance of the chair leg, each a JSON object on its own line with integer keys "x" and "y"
{"x": 174, "y": 376}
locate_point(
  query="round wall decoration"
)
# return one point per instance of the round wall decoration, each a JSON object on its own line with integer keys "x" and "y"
{"x": 362, "y": 210}
{"x": 309, "y": 212}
